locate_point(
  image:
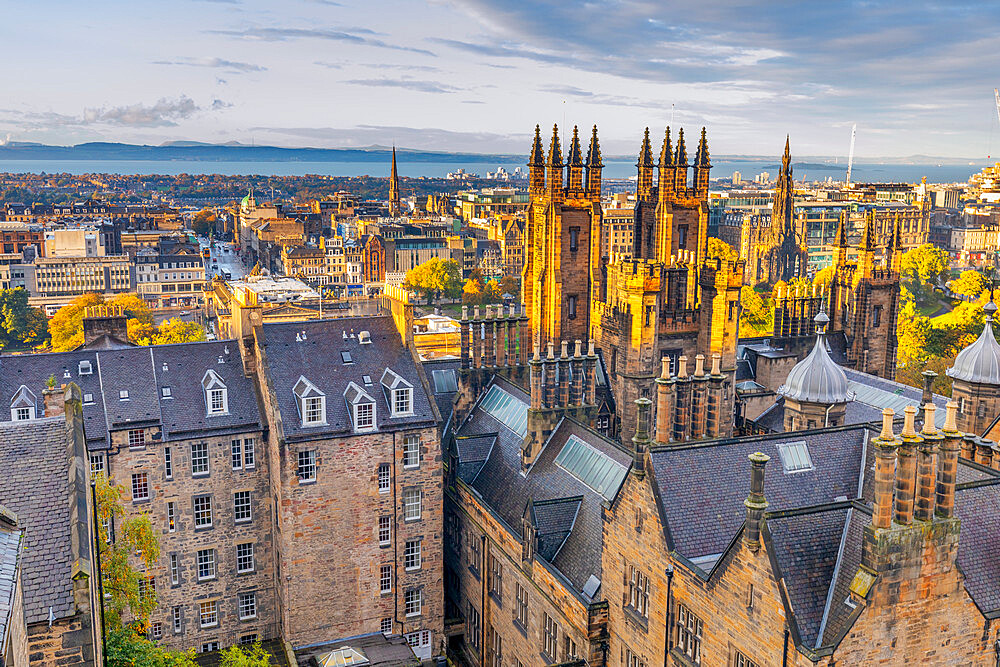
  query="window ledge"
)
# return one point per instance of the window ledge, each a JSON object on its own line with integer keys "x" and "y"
{"x": 636, "y": 618}
{"x": 520, "y": 628}
{"x": 681, "y": 659}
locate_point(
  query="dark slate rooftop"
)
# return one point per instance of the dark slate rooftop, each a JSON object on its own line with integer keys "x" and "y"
{"x": 141, "y": 372}
{"x": 10, "y": 549}
{"x": 445, "y": 369}
{"x": 290, "y": 358}
{"x": 34, "y": 458}
{"x": 378, "y": 648}
{"x": 577, "y": 555}
{"x": 702, "y": 517}
{"x": 978, "y": 508}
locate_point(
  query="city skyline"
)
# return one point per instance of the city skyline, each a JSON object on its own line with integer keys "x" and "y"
{"x": 442, "y": 75}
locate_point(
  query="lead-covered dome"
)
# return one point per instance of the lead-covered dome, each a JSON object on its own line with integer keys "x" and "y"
{"x": 980, "y": 362}
{"x": 817, "y": 378}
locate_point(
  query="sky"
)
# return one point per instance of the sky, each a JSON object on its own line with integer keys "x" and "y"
{"x": 477, "y": 75}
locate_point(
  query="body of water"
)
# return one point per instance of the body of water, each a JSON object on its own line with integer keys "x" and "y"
{"x": 907, "y": 173}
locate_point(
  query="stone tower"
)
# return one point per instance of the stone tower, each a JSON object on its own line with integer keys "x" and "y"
{"x": 562, "y": 239}
{"x": 394, "y": 208}
{"x": 816, "y": 390}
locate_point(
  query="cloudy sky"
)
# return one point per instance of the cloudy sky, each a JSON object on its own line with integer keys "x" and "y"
{"x": 477, "y": 75}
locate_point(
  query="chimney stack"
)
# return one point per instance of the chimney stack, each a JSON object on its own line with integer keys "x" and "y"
{"x": 947, "y": 471}
{"x": 906, "y": 467}
{"x": 664, "y": 409}
{"x": 54, "y": 400}
{"x": 926, "y": 475}
{"x": 640, "y": 441}
{"x": 885, "y": 455}
{"x": 755, "y": 502}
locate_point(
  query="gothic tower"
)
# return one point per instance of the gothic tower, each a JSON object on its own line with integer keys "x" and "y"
{"x": 394, "y": 209}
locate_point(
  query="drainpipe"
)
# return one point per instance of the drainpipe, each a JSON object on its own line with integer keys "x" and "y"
{"x": 666, "y": 624}
{"x": 784, "y": 651}
{"x": 100, "y": 578}
{"x": 394, "y": 530}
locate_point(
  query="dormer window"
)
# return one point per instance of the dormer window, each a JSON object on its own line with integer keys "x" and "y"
{"x": 123, "y": 395}
{"x": 399, "y": 393}
{"x": 216, "y": 394}
{"x": 86, "y": 368}
{"x": 361, "y": 406}
{"x": 310, "y": 401}
{"x": 22, "y": 406}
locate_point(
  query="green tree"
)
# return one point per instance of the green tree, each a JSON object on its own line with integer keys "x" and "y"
{"x": 245, "y": 656}
{"x": 970, "y": 283}
{"x": 721, "y": 249}
{"x": 921, "y": 269}
{"x": 66, "y": 325}
{"x": 21, "y": 325}
{"x": 510, "y": 285}
{"x": 170, "y": 331}
{"x": 436, "y": 277}
{"x": 204, "y": 221}
{"x": 492, "y": 293}
{"x": 127, "y": 649}
{"x": 757, "y": 313}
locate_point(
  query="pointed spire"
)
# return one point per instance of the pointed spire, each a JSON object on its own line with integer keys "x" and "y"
{"x": 667, "y": 151}
{"x": 786, "y": 159}
{"x": 594, "y": 152}
{"x": 537, "y": 158}
{"x": 868, "y": 235}
{"x": 841, "y": 241}
{"x": 681, "y": 157}
{"x": 555, "y": 150}
{"x": 394, "y": 209}
{"x": 703, "y": 160}
{"x": 646, "y": 152}
{"x": 575, "y": 156}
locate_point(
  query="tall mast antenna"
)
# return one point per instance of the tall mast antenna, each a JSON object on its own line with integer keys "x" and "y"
{"x": 850, "y": 155}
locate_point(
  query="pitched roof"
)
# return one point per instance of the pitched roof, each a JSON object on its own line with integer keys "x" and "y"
{"x": 34, "y": 458}
{"x": 978, "y": 508}
{"x": 10, "y": 551}
{"x": 290, "y": 355}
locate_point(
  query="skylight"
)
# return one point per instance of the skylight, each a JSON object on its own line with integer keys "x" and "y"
{"x": 346, "y": 357}
{"x": 445, "y": 381}
{"x": 509, "y": 411}
{"x": 795, "y": 457}
{"x": 592, "y": 467}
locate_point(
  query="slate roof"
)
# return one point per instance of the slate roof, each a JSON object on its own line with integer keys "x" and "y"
{"x": 702, "y": 517}
{"x": 378, "y": 648}
{"x": 10, "y": 549}
{"x": 978, "y": 508}
{"x": 318, "y": 357}
{"x": 506, "y": 492}
{"x": 445, "y": 400}
{"x": 140, "y": 372}
{"x": 34, "y": 458}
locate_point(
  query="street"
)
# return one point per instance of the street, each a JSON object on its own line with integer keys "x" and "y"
{"x": 223, "y": 259}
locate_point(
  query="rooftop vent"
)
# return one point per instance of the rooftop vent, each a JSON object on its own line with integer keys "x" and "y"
{"x": 164, "y": 365}
{"x": 66, "y": 373}
{"x": 221, "y": 360}
{"x": 364, "y": 338}
{"x": 344, "y": 334}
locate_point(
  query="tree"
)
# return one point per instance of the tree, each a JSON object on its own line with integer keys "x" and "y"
{"x": 824, "y": 277}
{"x": 472, "y": 293}
{"x": 245, "y": 656}
{"x": 436, "y": 277}
{"x": 492, "y": 293}
{"x": 757, "y": 315}
{"x": 510, "y": 285}
{"x": 921, "y": 268}
{"x": 66, "y": 325}
{"x": 21, "y": 325}
{"x": 721, "y": 249}
{"x": 970, "y": 283}
{"x": 204, "y": 221}
{"x": 127, "y": 649}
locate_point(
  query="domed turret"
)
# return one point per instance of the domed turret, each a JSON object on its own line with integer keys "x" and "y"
{"x": 815, "y": 390}
{"x": 976, "y": 379}
{"x": 980, "y": 362}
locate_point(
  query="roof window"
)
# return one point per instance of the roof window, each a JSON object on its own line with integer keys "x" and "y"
{"x": 795, "y": 457}
{"x": 346, "y": 357}
{"x": 86, "y": 368}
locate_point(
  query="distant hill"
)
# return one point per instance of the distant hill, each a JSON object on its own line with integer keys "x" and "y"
{"x": 201, "y": 152}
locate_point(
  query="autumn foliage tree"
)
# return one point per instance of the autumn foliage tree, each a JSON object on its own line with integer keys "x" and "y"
{"x": 66, "y": 326}
{"x": 970, "y": 283}
{"x": 21, "y": 325}
{"x": 434, "y": 278}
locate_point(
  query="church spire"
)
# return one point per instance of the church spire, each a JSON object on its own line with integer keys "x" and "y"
{"x": 594, "y": 165}
{"x": 555, "y": 150}
{"x": 665, "y": 191}
{"x": 702, "y": 165}
{"x": 554, "y": 174}
{"x": 782, "y": 222}
{"x": 702, "y": 160}
{"x": 394, "y": 209}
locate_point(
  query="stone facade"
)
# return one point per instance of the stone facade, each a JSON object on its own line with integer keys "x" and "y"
{"x": 978, "y": 405}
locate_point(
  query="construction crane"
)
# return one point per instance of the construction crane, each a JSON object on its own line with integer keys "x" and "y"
{"x": 850, "y": 155}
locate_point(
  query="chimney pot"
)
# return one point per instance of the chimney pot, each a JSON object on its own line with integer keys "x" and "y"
{"x": 550, "y": 348}
{"x": 951, "y": 417}
{"x": 755, "y": 503}
{"x": 699, "y": 365}
{"x": 590, "y": 348}
{"x": 928, "y": 428}
{"x": 716, "y": 364}
{"x": 682, "y": 366}
{"x": 537, "y": 357}
{"x": 665, "y": 368}
{"x": 909, "y": 417}
{"x": 577, "y": 348}
{"x": 565, "y": 349}
{"x": 465, "y": 312}
{"x": 475, "y": 312}
{"x": 887, "y": 416}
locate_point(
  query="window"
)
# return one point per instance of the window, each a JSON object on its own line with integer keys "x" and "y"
{"x": 386, "y": 626}
{"x": 249, "y": 453}
{"x": 168, "y": 463}
{"x": 171, "y": 517}
{"x": 384, "y": 530}
{"x": 209, "y": 614}
{"x": 140, "y": 486}
{"x": 165, "y": 392}
{"x": 202, "y": 511}
{"x": 241, "y": 506}
{"x": 385, "y": 579}
{"x": 569, "y": 649}
{"x": 689, "y": 633}
{"x": 136, "y": 438}
{"x": 314, "y": 410}
{"x": 175, "y": 616}
{"x": 496, "y": 648}
{"x": 637, "y": 587}
{"x": 364, "y": 416}
{"x": 175, "y": 570}
{"x": 475, "y": 556}
{"x": 384, "y": 481}
{"x": 23, "y": 414}
{"x": 571, "y": 306}
{"x": 244, "y": 558}
{"x": 123, "y": 395}
{"x": 521, "y": 606}
{"x": 795, "y": 457}
{"x": 411, "y": 555}
{"x": 310, "y": 401}
{"x": 411, "y": 504}
{"x": 876, "y": 316}
{"x": 206, "y": 564}
{"x": 574, "y": 238}
{"x": 247, "y": 640}
{"x": 146, "y": 587}
{"x": 216, "y": 395}
{"x": 550, "y": 636}
{"x": 345, "y": 356}
{"x": 472, "y": 622}
{"x": 247, "y": 605}
{"x": 740, "y": 660}
{"x": 412, "y": 601}
{"x": 496, "y": 578}
{"x": 445, "y": 382}
{"x": 632, "y": 660}
{"x": 411, "y": 451}
{"x": 402, "y": 401}
{"x": 86, "y": 368}
{"x": 97, "y": 464}
{"x": 237, "y": 453}
{"x": 156, "y": 631}
{"x": 199, "y": 458}
{"x": 307, "y": 466}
